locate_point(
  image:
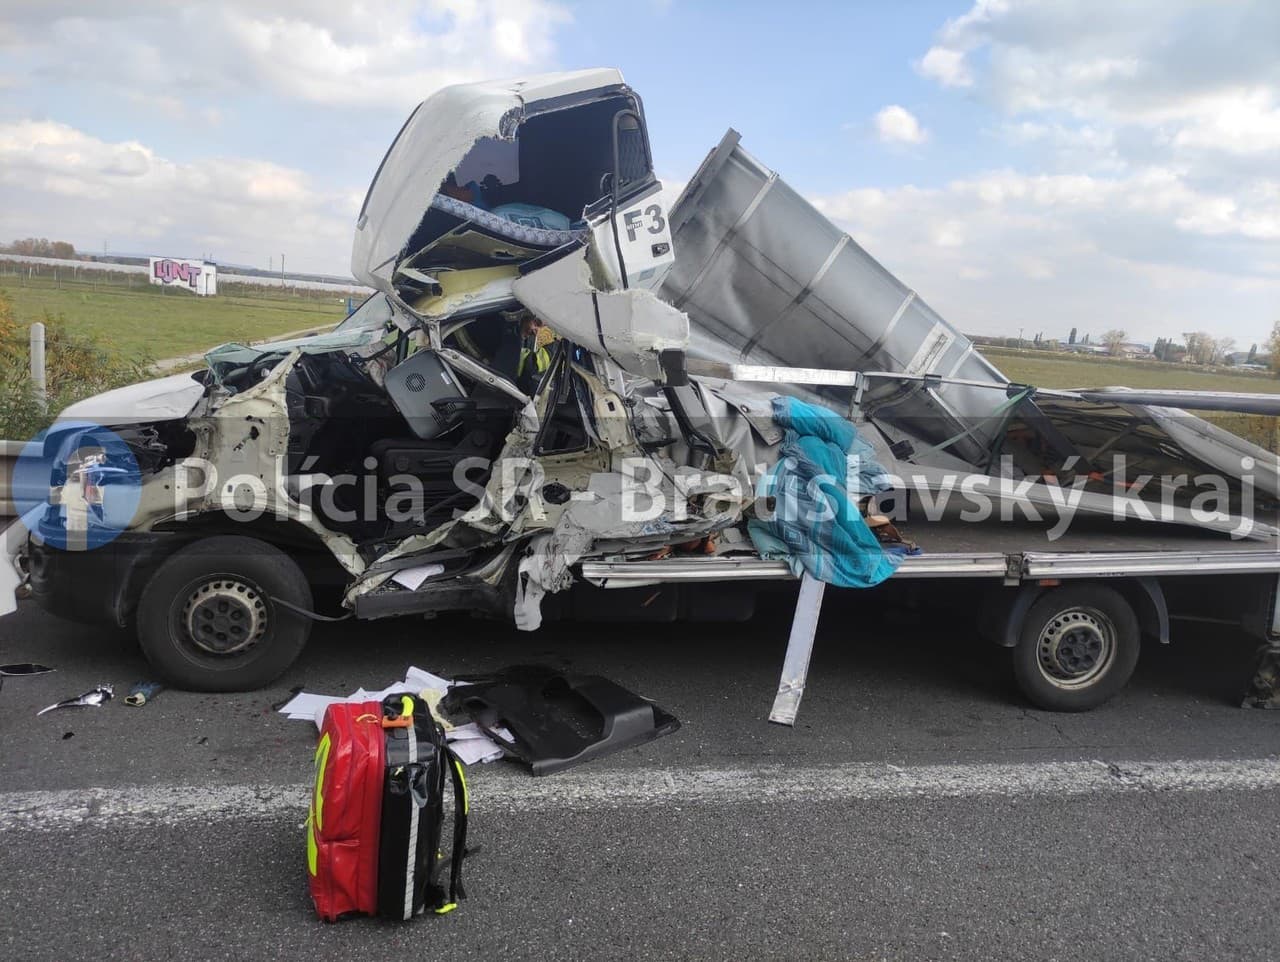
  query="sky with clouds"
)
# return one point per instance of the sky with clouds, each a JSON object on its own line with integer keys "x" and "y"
{"x": 1023, "y": 164}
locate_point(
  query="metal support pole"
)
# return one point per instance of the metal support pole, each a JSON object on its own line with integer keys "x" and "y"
{"x": 795, "y": 665}
{"x": 37, "y": 362}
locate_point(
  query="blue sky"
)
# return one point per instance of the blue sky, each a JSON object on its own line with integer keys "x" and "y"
{"x": 1022, "y": 164}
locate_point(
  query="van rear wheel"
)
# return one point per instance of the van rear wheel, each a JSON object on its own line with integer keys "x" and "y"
{"x": 1077, "y": 647}
{"x": 208, "y": 619}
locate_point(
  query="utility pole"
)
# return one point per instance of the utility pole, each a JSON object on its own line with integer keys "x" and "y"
{"x": 281, "y": 272}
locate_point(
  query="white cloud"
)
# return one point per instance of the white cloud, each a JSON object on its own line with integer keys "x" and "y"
{"x": 76, "y": 187}
{"x": 1154, "y": 199}
{"x": 333, "y": 52}
{"x": 946, "y": 66}
{"x": 897, "y": 125}
{"x": 1238, "y": 121}
{"x": 1145, "y": 251}
{"x": 1169, "y": 67}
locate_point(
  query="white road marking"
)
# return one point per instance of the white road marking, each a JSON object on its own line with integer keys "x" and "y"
{"x": 586, "y": 790}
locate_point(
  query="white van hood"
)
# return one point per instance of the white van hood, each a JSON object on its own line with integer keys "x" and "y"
{"x": 163, "y": 399}
{"x": 436, "y": 137}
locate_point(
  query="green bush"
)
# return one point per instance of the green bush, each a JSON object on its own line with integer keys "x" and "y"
{"x": 76, "y": 367}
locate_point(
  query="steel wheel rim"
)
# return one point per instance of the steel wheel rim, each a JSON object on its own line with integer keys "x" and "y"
{"x": 1076, "y": 648}
{"x": 223, "y": 616}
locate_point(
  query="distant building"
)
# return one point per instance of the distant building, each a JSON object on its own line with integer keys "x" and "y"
{"x": 1134, "y": 350}
{"x": 1259, "y": 362}
{"x": 198, "y": 277}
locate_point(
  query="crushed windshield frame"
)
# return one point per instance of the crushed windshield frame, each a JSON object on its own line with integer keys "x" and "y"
{"x": 362, "y": 317}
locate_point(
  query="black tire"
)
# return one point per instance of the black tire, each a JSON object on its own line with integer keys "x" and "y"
{"x": 1077, "y": 647}
{"x": 220, "y": 588}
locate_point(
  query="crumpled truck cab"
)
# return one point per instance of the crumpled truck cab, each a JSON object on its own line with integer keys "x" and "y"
{"x": 452, "y": 445}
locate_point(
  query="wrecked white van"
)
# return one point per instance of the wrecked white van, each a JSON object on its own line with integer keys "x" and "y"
{"x": 562, "y": 384}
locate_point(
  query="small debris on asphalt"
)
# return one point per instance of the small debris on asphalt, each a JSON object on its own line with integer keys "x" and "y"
{"x": 143, "y": 692}
{"x": 93, "y": 698}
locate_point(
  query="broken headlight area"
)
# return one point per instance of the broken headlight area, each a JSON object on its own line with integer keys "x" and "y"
{"x": 79, "y": 486}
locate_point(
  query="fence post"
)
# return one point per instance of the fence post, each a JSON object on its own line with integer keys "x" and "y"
{"x": 37, "y": 363}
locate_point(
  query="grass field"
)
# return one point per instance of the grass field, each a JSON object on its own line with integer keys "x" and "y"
{"x": 1067, "y": 371}
{"x": 151, "y": 321}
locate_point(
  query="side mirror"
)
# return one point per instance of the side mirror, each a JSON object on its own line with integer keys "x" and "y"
{"x": 630, "y": 154}
{"x": 631, "y": 161}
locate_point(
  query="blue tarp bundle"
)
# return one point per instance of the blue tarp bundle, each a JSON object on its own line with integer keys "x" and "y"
{"x": 815, "y": 525}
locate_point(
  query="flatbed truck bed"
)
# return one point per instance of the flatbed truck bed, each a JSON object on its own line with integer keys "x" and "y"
{"x": 1074, "y": 609}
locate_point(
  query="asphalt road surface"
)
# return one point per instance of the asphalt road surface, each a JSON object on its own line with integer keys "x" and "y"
{"x": 919, "y": 810}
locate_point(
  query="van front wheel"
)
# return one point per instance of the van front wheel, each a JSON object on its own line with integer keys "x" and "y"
{"x": 208, "y": 621}
{"x": 1077, "y": 647}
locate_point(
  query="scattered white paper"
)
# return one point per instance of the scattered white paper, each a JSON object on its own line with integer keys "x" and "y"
{"x": 411, "y": 578}
{"x": 469, "y": 741}
{"x": 419, "y": 680}
{"x": 473, "y": 750}
{"x": 471, "y": 730}
{"x": 471, "y": 744}
{"x": 306, "y": 705}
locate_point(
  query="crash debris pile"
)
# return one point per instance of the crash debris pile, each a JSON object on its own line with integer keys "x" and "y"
{"x": 545, "y": 719}
{"x": 467, "y": 740}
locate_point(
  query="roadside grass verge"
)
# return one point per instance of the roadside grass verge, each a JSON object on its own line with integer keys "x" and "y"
{"x": 160, "y": 323}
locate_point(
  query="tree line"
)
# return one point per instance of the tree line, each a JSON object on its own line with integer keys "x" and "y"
{"x": 1195, "y": 347}
{"x": 40, "y": 247}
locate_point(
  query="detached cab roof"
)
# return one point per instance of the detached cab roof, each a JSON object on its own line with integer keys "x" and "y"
{"x": 436, "y": 138}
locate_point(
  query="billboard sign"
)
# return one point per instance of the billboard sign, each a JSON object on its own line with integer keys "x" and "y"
{"x": 198, "y": 277}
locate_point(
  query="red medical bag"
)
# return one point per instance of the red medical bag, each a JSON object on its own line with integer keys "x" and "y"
{"x": 343, "y": 825}
{"x": 378, "y": 810}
